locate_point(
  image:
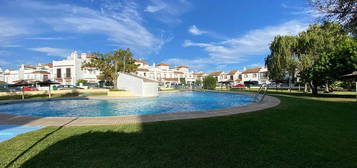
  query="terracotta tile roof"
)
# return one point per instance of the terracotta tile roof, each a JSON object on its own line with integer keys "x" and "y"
{"x": 216, "y": 73}
{"x": 232, "y": 72}
{"x": 178, "y": 72}
{"x": 162, "y": 64}
{"x": 29, "y": 66}
{"x": 182, "y": 66}
{"x": 141, "y": 61}
{"x": 251, "y": 70}
{"x": 40, "y": 72}
{"x": 91, "y": 56}
{"x": 171, "y": 79}
{"x": 142, "y": 70}
{"x": 49, "y": 65}
{"x": 199, "y": 74}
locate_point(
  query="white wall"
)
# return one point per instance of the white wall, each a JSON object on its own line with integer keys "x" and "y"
{"x": 130, "y": 83}
{"x": 137, "y": 86}
{"x": 151, "y": 89}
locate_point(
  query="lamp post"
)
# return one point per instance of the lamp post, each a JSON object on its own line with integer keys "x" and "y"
{"x": 353, "y": 75}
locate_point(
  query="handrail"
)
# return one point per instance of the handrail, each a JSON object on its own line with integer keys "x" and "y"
{"x": 261, "y": 91}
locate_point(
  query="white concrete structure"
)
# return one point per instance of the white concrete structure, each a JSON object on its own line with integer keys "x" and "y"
{"x": 69, "y": 71}
{"x": 137, "y": 85}
{"x": 256, "y": 75}
{"x": 2, "y": 78}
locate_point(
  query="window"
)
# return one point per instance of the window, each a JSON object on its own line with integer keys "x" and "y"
{"x": 68, "y": 72}
{"x": 245, "y": 75}
{"x": 45, "y": 77}
{"x": 254, "y": 75}
{"x": 59, "y": 73}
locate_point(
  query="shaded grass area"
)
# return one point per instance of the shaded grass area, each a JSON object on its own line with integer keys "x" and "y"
{"x": 298, "y": 133}
{"x": 340, "y": 94}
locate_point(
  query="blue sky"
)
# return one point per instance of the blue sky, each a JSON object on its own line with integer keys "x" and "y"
{"x": 207, "y": 35}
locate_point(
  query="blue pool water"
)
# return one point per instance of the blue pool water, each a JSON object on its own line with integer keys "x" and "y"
{"x": 167, "y": 102}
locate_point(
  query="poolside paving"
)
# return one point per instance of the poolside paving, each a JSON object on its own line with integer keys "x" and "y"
{"x": 268, "y": 102}
{"x": 8, "y": 131}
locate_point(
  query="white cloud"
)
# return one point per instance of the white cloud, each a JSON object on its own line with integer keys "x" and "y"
{"x": 168, "y": 11}
{"x": 52, "y": 51}
{"x": 304, "y": 11}
{"x": 195, "y": 31}
{"x": 44, "y": 38}
{"x": 10, "y": 28}
{"x": 120, "y": 22}
{"x": 238, "y": 49}
{"x": 153, "y": 9}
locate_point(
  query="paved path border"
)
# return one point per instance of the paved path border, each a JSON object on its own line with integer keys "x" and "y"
{"x": 268, "y": 102}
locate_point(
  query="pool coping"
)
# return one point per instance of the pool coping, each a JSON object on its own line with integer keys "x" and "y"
{"x": 5, "y": 118}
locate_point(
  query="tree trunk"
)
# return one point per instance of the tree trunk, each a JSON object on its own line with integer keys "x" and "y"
{"x": 290, "y": 84}
{"x": 305, "y": 88}
{"x": 313, "y": 87}
{"x": 115, "y": 83}
{"x": 327, "y": 88}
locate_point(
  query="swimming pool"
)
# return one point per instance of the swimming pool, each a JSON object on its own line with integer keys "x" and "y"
{"x": 166, "y": 102}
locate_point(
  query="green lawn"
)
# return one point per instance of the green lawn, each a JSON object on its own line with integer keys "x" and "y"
{"x": 301, "y": 132}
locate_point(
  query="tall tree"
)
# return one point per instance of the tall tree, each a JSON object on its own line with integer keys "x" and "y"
{"x": 209, "y": 82}
{"x": 282, "y": 60}
{"x": 320, "y": 55}
{"x": 110, "y": 64}
{"x": 344, "y": 11}
{"x": 315, "y": 46}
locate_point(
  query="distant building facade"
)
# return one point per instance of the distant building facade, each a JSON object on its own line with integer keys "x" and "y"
{"x": 69, "y": 71}
{"x": 258, "y": 75}
{"x": 166, "y": 75}
{"x": 2, "y": 75}
{"x": 29, "y": 73}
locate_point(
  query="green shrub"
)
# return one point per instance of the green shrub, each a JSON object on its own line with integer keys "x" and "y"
{"x": 116, "y": 90}
{"x": 209, "y": 83}
{"x": 84, "y": 82}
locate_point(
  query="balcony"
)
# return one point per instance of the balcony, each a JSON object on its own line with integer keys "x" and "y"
{"x": 58, "y": 79}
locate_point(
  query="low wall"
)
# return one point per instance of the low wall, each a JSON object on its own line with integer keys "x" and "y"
{"x": 55, "y": 92}
{"x": 119, "y": 94}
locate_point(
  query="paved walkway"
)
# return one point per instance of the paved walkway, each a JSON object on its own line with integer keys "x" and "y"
{"x": 268, "y": 102}
{"x": 9, "y": 131}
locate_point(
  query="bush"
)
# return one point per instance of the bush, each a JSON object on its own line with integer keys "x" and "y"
{"x": 84, "y": 82}
{"x": 116, "y": 90}
{"x": 209, "y": 83}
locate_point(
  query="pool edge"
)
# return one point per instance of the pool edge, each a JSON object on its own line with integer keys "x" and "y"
{"x": 5, "y": 118}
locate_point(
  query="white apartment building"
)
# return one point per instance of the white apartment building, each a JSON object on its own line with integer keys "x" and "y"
{"x": 231, "y": 78}
{"x": 29, "y": 73}
{"x": 258, "y": 75}
{"x": 69, "y": 71}
{"x": 2, "y": 75}
{"x": 165, "y": 75}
